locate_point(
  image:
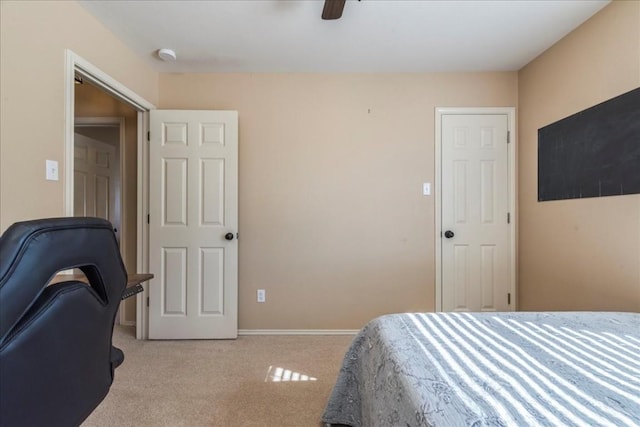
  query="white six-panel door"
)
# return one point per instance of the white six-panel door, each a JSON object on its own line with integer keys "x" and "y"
{"x": 475, "y": 207}
{"x": 94, "y": 178}
{"x": 193, "y": 252}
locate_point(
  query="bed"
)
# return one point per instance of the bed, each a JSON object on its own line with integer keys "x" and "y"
{"x": 491, "y": 369}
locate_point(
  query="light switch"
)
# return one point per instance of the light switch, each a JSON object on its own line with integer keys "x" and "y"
{"x": 52, "y": 170}
{"x": 426, "y": 188}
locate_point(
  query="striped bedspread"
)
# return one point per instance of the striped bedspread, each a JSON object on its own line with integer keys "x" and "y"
{"x": 491, "y": 369}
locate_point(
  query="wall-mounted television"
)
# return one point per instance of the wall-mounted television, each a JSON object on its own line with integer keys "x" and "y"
{"x": 593, "y": 153}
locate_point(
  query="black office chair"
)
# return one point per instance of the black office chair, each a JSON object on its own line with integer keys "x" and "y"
{"x": 56, "y": 357}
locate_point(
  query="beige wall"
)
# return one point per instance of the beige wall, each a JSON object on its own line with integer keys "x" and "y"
{"x": 578, "y": 254}
{"x": 93, "y": 102}
{"x": 33, "y": 39}
{"x": 333, "y": 223}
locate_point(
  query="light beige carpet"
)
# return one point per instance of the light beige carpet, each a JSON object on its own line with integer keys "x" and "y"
{"x": 252, "y": 381}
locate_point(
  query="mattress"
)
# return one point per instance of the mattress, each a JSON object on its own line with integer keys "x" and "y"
{"x": 491, "y": 369}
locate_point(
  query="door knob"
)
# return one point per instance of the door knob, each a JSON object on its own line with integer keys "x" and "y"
{"x": 449, "y": 234}
{"x": 228, "y": 236}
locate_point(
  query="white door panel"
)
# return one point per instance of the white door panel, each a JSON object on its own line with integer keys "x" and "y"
{"x": 475, "y": 204}
{"x": 193, "y": 205}
{"x": 95, "y": 175}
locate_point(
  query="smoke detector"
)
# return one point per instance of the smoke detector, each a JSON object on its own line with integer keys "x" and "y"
{"x": 167, "y": 54}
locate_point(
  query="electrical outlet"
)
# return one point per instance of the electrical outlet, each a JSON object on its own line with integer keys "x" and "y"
{"x": 262, "y": 295}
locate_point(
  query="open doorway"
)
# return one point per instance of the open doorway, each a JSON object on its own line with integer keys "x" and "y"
{"x": 105, "y": 169}
{"x": 134, "y": 227}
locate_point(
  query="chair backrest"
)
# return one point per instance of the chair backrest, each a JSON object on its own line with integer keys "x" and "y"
{"x": 55, "y": 341}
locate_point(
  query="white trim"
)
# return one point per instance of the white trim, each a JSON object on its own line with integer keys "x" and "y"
{"x": 297, "y": 331}
{"x": 69, "y": 119}
{"x": 142, "y": 316}
{"x": 75, "y": 64}
{"x": 437, "y": 183}
{"x": 105, "y": 82}
{"x": 512, "y": 169}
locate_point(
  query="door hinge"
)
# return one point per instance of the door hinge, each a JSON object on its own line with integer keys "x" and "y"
{"x": 508, "y": 136}
{"x": 148, "y": 219}
{"x": 508, "y": 217}
{"x": 147, "y": 301}
{"x": 148, "y": 136}
{"x": 509, "y": 299}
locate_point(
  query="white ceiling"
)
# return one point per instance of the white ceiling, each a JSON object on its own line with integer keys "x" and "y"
{"x": 371, "y": 36}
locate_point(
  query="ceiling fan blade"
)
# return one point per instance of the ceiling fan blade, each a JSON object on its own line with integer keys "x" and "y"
{"x": 332, "y": 9}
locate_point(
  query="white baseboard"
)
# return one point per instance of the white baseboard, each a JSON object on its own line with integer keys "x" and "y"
{"x": 128, "y": 323}
{"x": 297, "y": 331}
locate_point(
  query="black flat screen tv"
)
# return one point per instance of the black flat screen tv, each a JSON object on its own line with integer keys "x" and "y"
{"x": 593, "y": 153}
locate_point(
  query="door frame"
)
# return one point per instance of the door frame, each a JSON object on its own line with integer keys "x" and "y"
{"x": 76, "y": 65}
{"x": 510, "y": 112}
